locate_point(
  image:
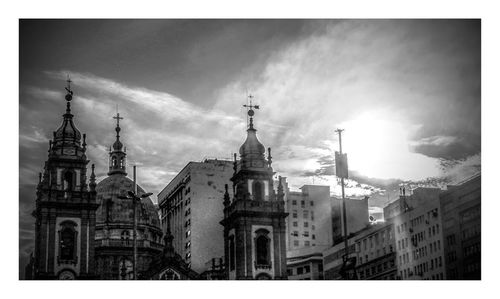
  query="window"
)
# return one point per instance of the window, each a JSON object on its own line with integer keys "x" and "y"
{"x": 295, "y": 233}
{"x": 258, "y": 190}
{"x": 262, "y": 246}
{"x": 68, "y": 242}
{"x": 188, "y": 245}
{"x": 295, "y": 243}
{"x": 300, "y": 271}
{"x": 303, "y": 203}
{"x": 307, "y": 269}
{"x": 188, "y": 233}
{"x": 294, "y": 214}
{"x": 306, "y": 224}
{"x": 306, "y": 214}
{"x": 306, "y": 234}
{"x": 294, "y": 202}
{"x": 68, "y": 181}
{"x": 295, "y": 224}
{"x": 307, "y": 243}
{"x": 314, "y": 237}
{"x": 232, "y": 258}
{"x": 312, "y": 203}
{"x": 312, "y": 215}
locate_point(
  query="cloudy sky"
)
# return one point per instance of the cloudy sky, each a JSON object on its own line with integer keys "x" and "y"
{"x": 407, "y": 93}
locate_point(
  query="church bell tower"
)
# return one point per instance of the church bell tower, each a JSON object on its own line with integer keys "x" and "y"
{"x": 254, "y": 220}
{"x": 65, "y": 206}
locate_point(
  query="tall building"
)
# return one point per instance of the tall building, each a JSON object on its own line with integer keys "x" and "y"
{"x": 357, "y": 216}
{"x": 461, "y": 215}
{"x": 192, "y": 200}
{"x": 419, "y": 237}
{"x": 372, "y": 250}
{"x": 309, "y": 222}
{"x": 65, "y": 207}
{"x": 254, "y": 220}
{"x": 115, "y": 221}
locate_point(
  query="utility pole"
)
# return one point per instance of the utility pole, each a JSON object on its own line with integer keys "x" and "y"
{"x": 132, "y": 195}
{"x": 344, "y": 213}
{"x": 349, "y": 265}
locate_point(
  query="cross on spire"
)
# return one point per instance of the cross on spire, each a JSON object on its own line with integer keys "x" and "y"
{"x": 251, "y": 111}
{"x": 117, "y": 117}
{"x": 251, "y": 107}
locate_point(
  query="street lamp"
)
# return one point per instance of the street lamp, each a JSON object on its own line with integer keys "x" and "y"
{"x": 135, "y": 198}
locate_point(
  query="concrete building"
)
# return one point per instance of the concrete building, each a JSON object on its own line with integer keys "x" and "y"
{"x": 419, "y": 238}
{"x": 373, "y": 249}
{"x": 309, "y": 222}
{"x": 357, "y": 216}
{"x": 376, "y": 254}
{"x": 194, "y": 201}
{"x": 305, "y": 264}
{"x": 461, "y": 207}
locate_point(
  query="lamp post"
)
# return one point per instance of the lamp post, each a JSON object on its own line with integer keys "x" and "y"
{"x": 135, "y": 198}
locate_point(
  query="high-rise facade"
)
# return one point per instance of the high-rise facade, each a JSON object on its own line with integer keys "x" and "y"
{"x": 461, "y": 207}
{"x": 309, "y": 223}
{"x": 254, "y": 219}
{"x": 65, "y": 207}
{"x": 193, "y": 203}
{"x": 419, "y": 236}
{"x": 357, "y": 216}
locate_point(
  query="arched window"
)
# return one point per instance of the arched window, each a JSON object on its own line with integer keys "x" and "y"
{"x": 68, "y": 242}
{"x": 258, "y": 190}
{"x": 113, "y": 161}
{"x": 126, "y": 270}
{"x": 169, "y": 274}
{"x": 68, "y": 180}
{"x": 262, "y": 248}
{"x": 121, "y": 163}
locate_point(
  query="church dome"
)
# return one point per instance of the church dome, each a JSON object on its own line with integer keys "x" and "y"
{"x": 119, "y": 211}
{"x": 252, "y": 148}
{"x": 67, "y": 131}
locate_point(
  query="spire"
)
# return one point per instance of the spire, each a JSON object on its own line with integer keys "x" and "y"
{"x": 92, "y": 183}
{"x": 67, "y": 137}
{"x": 116, "y": 154}
{"x": 226, "y": 197}
{"x": 281, "y": 194}
{"x": 252, "y": 149}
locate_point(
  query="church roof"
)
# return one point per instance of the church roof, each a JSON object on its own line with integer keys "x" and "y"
{"x": 113, "y": 209}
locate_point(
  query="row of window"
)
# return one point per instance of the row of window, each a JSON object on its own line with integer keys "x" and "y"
{"x": 296, "y": 243}
{"x": 436, "y": 262}
{"x": 305, "y": 214}
{"x": 403, "y": 243}
{"x": 306, "y": 224}
{"x": 306, "y": 234}
{"x": 373, "y": 256}
{"x": 376, "y": 269}
{"x": 472, "y": 249}
{"x": 377, "y": 238}
{"x": 302, "y": 203}
{"x": 471, "y": 232}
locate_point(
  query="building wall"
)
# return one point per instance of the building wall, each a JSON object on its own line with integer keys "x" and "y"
{"x": 461, "y": 206}
{"x": 419, "y": 238}
{"x": 196, "y": 196}
{"x": 357, "y": 216}
{"x": 309, "y": 221}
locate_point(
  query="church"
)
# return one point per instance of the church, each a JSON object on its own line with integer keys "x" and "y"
{"x": 111, "y": 230}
